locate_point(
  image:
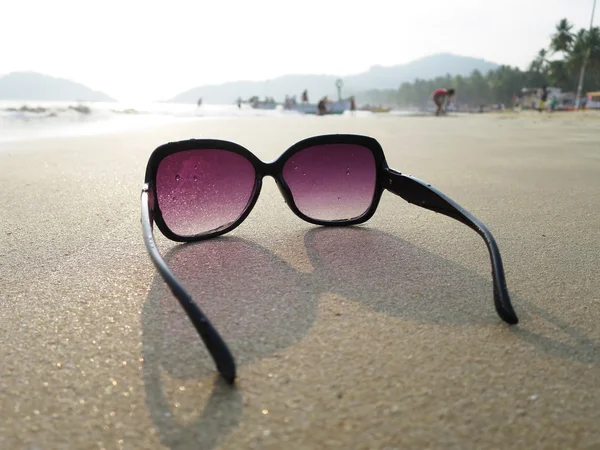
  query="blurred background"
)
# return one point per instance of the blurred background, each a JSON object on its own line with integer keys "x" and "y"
{"x": 136, "y": 63}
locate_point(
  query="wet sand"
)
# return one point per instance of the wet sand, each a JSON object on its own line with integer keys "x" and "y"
{"x": 375, "y": 337}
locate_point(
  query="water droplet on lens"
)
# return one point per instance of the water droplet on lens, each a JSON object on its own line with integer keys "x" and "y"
{"x": 195, "y": 178}
{"x": 347, "y": 172}
{"x": 314, "y": 184}
{"x": 177, "y": 178}
{"x": 196, "y": 167}
{"x": 303, "y": 173}
{"x": 339, "y": 199}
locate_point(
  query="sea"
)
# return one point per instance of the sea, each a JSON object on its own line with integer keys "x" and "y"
{"x": 22, "y": 120}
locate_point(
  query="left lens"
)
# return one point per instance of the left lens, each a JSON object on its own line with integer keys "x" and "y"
{"x": 332, "y": 182}
{"x": 203, "y": 191}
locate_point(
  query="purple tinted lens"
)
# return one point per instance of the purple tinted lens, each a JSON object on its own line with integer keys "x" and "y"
{"x": 200, "y": 191}
{"x": 332, "y": 181}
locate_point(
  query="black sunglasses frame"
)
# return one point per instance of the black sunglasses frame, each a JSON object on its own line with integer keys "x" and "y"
{"x": 406, "y": 186}
{"x": 262, "y": 170}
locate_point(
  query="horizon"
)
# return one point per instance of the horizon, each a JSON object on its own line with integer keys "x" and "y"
{"x": 153, "y": 60}
{"x": 241, "y": 80}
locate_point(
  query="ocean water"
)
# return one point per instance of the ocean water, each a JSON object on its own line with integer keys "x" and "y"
{"x": 21, "y": 120}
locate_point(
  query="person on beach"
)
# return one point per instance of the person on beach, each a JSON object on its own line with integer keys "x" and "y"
{"x": 543, "y": 98}
{"x": 441, "y": 98}
{"x": 321, "y": 108}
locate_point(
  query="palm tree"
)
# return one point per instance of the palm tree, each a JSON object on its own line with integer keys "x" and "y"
{"x": 593, "y": 43}
{"x": 592, "y": 35}
{"x": 589, "y": 55}
{"x": 562, "y": 39}
{"x": 594, "y": 58}
{"x": 559, "y": 75}
{"x": 539, "y": 64}
{"x": 584, "y": 52}
{"x": 578, "y": 49}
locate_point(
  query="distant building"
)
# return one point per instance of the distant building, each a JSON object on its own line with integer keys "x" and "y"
{"x": 593, "y": 100}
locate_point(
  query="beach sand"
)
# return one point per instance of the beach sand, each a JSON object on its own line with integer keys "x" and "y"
{"x": 375, "y": 337}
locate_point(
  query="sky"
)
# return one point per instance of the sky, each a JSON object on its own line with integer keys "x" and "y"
{"x": 153, "y": 49}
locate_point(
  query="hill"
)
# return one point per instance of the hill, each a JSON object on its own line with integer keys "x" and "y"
{"x": 39, "y": 87}
{"x": 377, "y": 77}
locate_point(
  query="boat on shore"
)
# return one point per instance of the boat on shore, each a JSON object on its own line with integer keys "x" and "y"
{"x": 330, "y": 107}
{"x": 264, "y": 105}
{"x": 375, "y": 109}
{"x": 268, "y": 103}
{"x": 323, "y": 107}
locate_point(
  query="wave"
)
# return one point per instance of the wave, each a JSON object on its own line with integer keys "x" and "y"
{"x": 15, "y": 112}
{"x": 26, "y": 112}
{"x": 27, "y": 120}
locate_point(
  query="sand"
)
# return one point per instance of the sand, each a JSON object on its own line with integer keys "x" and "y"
{"x": 377, "y": 337}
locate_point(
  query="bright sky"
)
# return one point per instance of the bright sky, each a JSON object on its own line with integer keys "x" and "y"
{"x": 153, "y": 49}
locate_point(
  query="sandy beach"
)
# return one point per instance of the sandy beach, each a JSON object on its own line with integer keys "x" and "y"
{"x": 382, "y": 336}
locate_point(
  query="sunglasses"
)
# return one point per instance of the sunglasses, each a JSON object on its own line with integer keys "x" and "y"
{"x": 202, "y": 188}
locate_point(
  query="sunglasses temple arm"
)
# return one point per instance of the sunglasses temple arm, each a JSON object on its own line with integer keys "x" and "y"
{"x": 213, "y": 341}
{"x": 424, "y": 195}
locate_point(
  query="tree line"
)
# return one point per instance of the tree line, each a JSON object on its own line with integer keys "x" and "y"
{"x": 558, "y": 65}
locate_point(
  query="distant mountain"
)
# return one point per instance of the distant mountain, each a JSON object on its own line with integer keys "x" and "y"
{"x": 36, "y": 86}
{"x": 377, "y": 77}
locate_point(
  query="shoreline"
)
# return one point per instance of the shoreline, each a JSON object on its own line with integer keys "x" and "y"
{"x": 24, "y": 135}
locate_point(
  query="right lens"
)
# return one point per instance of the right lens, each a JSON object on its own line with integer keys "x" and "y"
{"x": 203, "y": 191}
{"x": 332, "y": 182}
